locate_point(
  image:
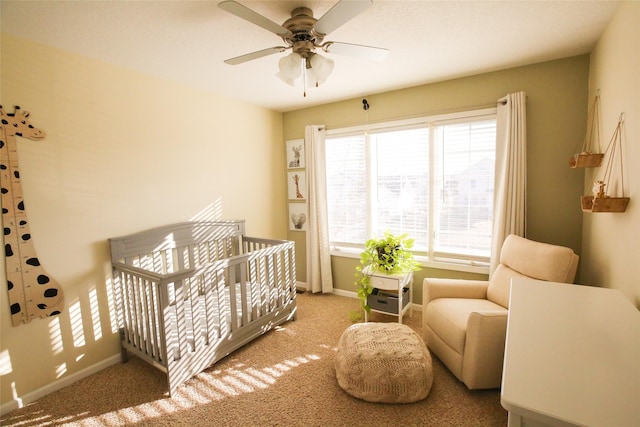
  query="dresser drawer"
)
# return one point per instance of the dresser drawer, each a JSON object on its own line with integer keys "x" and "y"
{"x": 387, "y": 301}
{"x": 386, "y": 283}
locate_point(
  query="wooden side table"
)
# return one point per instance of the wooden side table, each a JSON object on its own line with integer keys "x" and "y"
{"x": 394, "y": 283}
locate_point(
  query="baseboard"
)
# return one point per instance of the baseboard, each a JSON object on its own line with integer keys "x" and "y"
{"x": 351, "y": 294}
{"x": 343, "y": 293}
{"x": 301, "y": 287}
{"x": 20, "y": 401}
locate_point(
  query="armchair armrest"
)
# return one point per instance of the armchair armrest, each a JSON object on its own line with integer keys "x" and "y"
{"x": 453, "y": 288}
{"x": 484, "y": 349}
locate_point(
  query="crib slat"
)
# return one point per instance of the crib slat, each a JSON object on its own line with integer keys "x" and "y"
{"x": 244, "y": 295}
{"x": 167, "y": 340}
{"x": 153, "y": 315}
{"x": 136, "y": 313}
{"x": 209, "y": 335}
{"x": 233, "y": 300}
{"x": 271, "y": 283}
{"x": 145, "y": 312}
{"x": 178, "y": 326}
{"x": 263, "y": 289}
{"x": 279, "y": 280}
{"x": 195, "y": 317}
{"x": 222, "y": 304}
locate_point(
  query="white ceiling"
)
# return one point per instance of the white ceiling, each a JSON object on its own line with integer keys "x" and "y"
{"x": 187, "y": 41}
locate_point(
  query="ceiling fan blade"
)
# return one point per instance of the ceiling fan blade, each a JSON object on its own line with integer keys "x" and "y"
{"x": 356, "y": 50}
{"x": 340, "y": 13}
{"x": 255, "y": 18}
{"x": 255, "y": 55}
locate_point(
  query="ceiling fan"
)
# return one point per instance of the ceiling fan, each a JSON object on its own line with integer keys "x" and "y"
{"x": 304, "y": 35}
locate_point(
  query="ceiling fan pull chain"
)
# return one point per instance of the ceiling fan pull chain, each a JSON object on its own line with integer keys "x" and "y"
{"x": 304, "y": 75}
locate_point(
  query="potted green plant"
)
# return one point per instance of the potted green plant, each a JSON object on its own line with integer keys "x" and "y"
{"x": 389, "y": 254}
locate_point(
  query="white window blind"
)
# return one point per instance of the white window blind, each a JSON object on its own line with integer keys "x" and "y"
{"x": 347, "y": 193}
{"x": 401, "y": 195}
{"x": 432, "y": 179}
{"x": 465, "y": 159}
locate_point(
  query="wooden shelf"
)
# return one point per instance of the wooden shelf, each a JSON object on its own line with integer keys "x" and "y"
{"x": 604, "y": 204}
{"x": 586, "y": 160}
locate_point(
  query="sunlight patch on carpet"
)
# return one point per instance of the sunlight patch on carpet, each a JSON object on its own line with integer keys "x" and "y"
{"x": 208, "y": 387}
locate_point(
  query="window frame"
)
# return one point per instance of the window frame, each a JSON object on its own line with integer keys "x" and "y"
{"x": 470, "y": 264}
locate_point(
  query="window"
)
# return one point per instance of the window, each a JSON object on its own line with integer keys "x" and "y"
{"x": 432, "y": 178}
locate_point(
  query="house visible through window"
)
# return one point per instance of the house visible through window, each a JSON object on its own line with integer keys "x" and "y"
{"x": 432, "y": 178}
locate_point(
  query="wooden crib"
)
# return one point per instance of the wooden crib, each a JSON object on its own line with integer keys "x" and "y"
{"x": 189, "y": 294}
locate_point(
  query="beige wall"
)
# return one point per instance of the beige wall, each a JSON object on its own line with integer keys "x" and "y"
{"x": 123, "y": 152}
{"x": 556, "y": 119}
{"x": 611, "y": 240}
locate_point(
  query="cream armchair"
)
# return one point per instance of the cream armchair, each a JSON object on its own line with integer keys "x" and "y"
{"x": 464, "y": 322}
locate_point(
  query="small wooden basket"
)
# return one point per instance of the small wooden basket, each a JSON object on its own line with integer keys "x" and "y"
{"x": 586, "y": 160}
{"x": 604, "y": 204}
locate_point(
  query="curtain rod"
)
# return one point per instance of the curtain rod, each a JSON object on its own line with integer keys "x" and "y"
{"x": 418, "y": 115}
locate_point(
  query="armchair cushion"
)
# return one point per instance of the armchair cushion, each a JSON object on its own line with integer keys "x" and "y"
{"x": 500, "y": 287}
{"x": 448, "y": 318}
{"x": 520, "y": 257}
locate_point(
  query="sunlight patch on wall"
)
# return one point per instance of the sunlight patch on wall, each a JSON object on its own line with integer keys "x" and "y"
{"x": 111, "y": 300}
{"x": 61, "y": 370}
{"x": 55, "y": 335}
{"x": 77, "y": 330}
{"x": 5, "y": 363}
{"x": 95, "y": 314}
{"x": 212, "y": 212}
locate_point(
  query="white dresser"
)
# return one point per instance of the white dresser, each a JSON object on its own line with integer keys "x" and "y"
{"x": 572, "y": 356}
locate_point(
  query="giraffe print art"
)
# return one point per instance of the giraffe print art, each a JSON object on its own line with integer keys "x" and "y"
{"x": 32, "y": 292}
{"x": 296, "y": 180}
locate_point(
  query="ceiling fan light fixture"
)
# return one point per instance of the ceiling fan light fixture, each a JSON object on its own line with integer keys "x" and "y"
{"x": 321, "y": 68}
{"x": 290, "y": 68}
{"x": 304, "y": 35}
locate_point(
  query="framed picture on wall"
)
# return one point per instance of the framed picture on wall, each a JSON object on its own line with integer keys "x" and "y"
{"x": 297, "y": 216}
{"x": 297, "y": 185}
{"x": 295, "y": 154}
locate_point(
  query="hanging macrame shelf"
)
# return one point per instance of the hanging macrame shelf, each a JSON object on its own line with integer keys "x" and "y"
{"x": 586, "y": 158}
{"x": 594, "y": 204}
{"x": 600, "y": 201}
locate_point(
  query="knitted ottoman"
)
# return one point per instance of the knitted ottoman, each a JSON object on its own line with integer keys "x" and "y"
{"x": 384, "y": 362}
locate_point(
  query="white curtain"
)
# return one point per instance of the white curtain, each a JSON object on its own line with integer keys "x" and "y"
{"x": 509, "y": 210}
{"x": 318, "y": 257}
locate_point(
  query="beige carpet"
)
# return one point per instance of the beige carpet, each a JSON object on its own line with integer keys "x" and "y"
{"x": 286, "y": 377}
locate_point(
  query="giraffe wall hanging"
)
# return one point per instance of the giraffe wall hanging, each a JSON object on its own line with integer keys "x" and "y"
{"x": 32, "y": 292}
